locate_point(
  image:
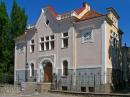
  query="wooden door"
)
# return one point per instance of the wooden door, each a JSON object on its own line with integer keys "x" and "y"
{"x": 48, "y": 72}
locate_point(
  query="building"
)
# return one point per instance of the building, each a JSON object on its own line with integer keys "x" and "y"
{"x": 77, "y": 50}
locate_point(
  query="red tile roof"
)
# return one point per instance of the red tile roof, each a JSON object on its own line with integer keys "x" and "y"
{"x": 78, "y": 11}
{"x": 89, "y": 15}
{"x": 52, "y": 11}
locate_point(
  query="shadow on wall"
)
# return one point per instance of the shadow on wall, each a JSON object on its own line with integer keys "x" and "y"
{"x": 115, "y": 56}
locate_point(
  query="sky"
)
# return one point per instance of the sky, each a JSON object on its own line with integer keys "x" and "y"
{"x": 33, "y": 10}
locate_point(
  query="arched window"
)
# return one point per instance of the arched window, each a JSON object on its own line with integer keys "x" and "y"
{"x": 32, "y": 69}
{"x": 65, "y": 68}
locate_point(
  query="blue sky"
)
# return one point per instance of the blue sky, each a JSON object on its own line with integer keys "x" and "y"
{"x": 33, "y": 9}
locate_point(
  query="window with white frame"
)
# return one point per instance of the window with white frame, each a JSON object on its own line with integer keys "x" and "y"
{"x": 86, "y": 36}
{"x": 47, "y": 43}
{"x": 52, "y": 45}
{"x": 42, "y": 44}
{"x": 64, "y": 40}
{"x": 65, "y": 68}
{"x": 32, "y": 46}
{"x": 32, "y": 70}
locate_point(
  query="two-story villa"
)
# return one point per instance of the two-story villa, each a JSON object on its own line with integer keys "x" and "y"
{"x": 78, "y": 50}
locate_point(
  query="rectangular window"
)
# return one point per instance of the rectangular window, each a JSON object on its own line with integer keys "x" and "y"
{"x": 52, "y": 37}
{"x": 52, "y": 45}
{"x": 47, "y": 43}
{"x": 32, "y": 46}
{"x": 42, "y": 44}
{"x": 65, "y": 34}
{"x": 87, "y": 36}
{"x": 42, "y": 39}
{"x": 47, "y": 38}
{"x": 114, "y": 39}
{"x": 65, "y": 40}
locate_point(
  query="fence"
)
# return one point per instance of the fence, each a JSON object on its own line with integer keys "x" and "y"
{"x": 85, "y": 94}
{"x": 86, "y": 83}
{"x": 6, "y": 78}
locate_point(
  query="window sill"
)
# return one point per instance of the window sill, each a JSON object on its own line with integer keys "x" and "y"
{"x": 64, "y": 76}
{"x": 89, "y": 41}
{"x": 32, "y": 52}
{"x": 64, "y": 47}
{"x": 46, "y": 50}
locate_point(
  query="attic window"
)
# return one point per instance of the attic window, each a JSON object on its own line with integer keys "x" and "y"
{"x": 47, "y": 21}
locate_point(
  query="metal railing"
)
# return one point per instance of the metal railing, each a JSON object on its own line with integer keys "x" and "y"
{"x": 86, "y": 83}
{"x": 6, "y": 78}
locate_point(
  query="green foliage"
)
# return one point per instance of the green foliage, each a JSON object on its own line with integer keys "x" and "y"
{"x": 18, "y": 20}
{"x": 10, "y": 28}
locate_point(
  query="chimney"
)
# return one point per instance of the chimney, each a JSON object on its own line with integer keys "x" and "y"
{"x": 86, "y": 6}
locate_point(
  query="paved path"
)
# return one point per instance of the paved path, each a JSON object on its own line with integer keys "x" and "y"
{"x": 39, "y": 95}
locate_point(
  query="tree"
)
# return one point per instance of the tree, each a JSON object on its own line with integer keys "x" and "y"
{"x": 10, "y": 28}
{"x": 4, "y": 36}
{"x": 18, "y": 20}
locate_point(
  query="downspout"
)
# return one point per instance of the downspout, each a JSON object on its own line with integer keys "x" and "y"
{"x": 36, "y": 66}
{"x": 26, "y": 64}
{"x": 74, "y": 56}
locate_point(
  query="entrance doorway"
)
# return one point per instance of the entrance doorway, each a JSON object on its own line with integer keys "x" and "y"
{"x": 48, "y": 72}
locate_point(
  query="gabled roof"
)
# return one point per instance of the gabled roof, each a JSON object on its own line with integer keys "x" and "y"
{"x": 83, "y": 13}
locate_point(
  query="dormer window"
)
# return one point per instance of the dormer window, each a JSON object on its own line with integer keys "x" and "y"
{"x": 47, "y": 21}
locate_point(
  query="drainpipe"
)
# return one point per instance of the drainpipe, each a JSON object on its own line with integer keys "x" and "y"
{"x": 26, "y": 64}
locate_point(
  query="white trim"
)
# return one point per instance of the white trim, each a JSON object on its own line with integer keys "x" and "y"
{"x": 40, "y": 17}
{"x": 63, "y": 59}
{"x": 90, "y": 66}
{"x": 40, "y": 71}
{"x": 62, "y": 37}
{"x": 19, "y": 69}
{"x": 104, "y": 68}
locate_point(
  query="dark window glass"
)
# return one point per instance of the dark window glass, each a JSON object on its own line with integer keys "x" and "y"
{"x": 42, "y": 38}
{"x": 65, "y": 42}
{"x": 65, "y": 34}
{"x": 47, "y": 37}
{"x": 47, "y": 22}
{"x": 52, "y": 44}
{"x": 52, "y": 36}
{"x": 47, "y": 45}
{"x": 65, "y": 68}
{"x": 32, "y": 69}
{"x": 42, "y": 46}
{"x": 32, "y": 48}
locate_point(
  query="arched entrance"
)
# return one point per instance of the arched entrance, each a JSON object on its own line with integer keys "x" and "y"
{"x": 47, "y": 71}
